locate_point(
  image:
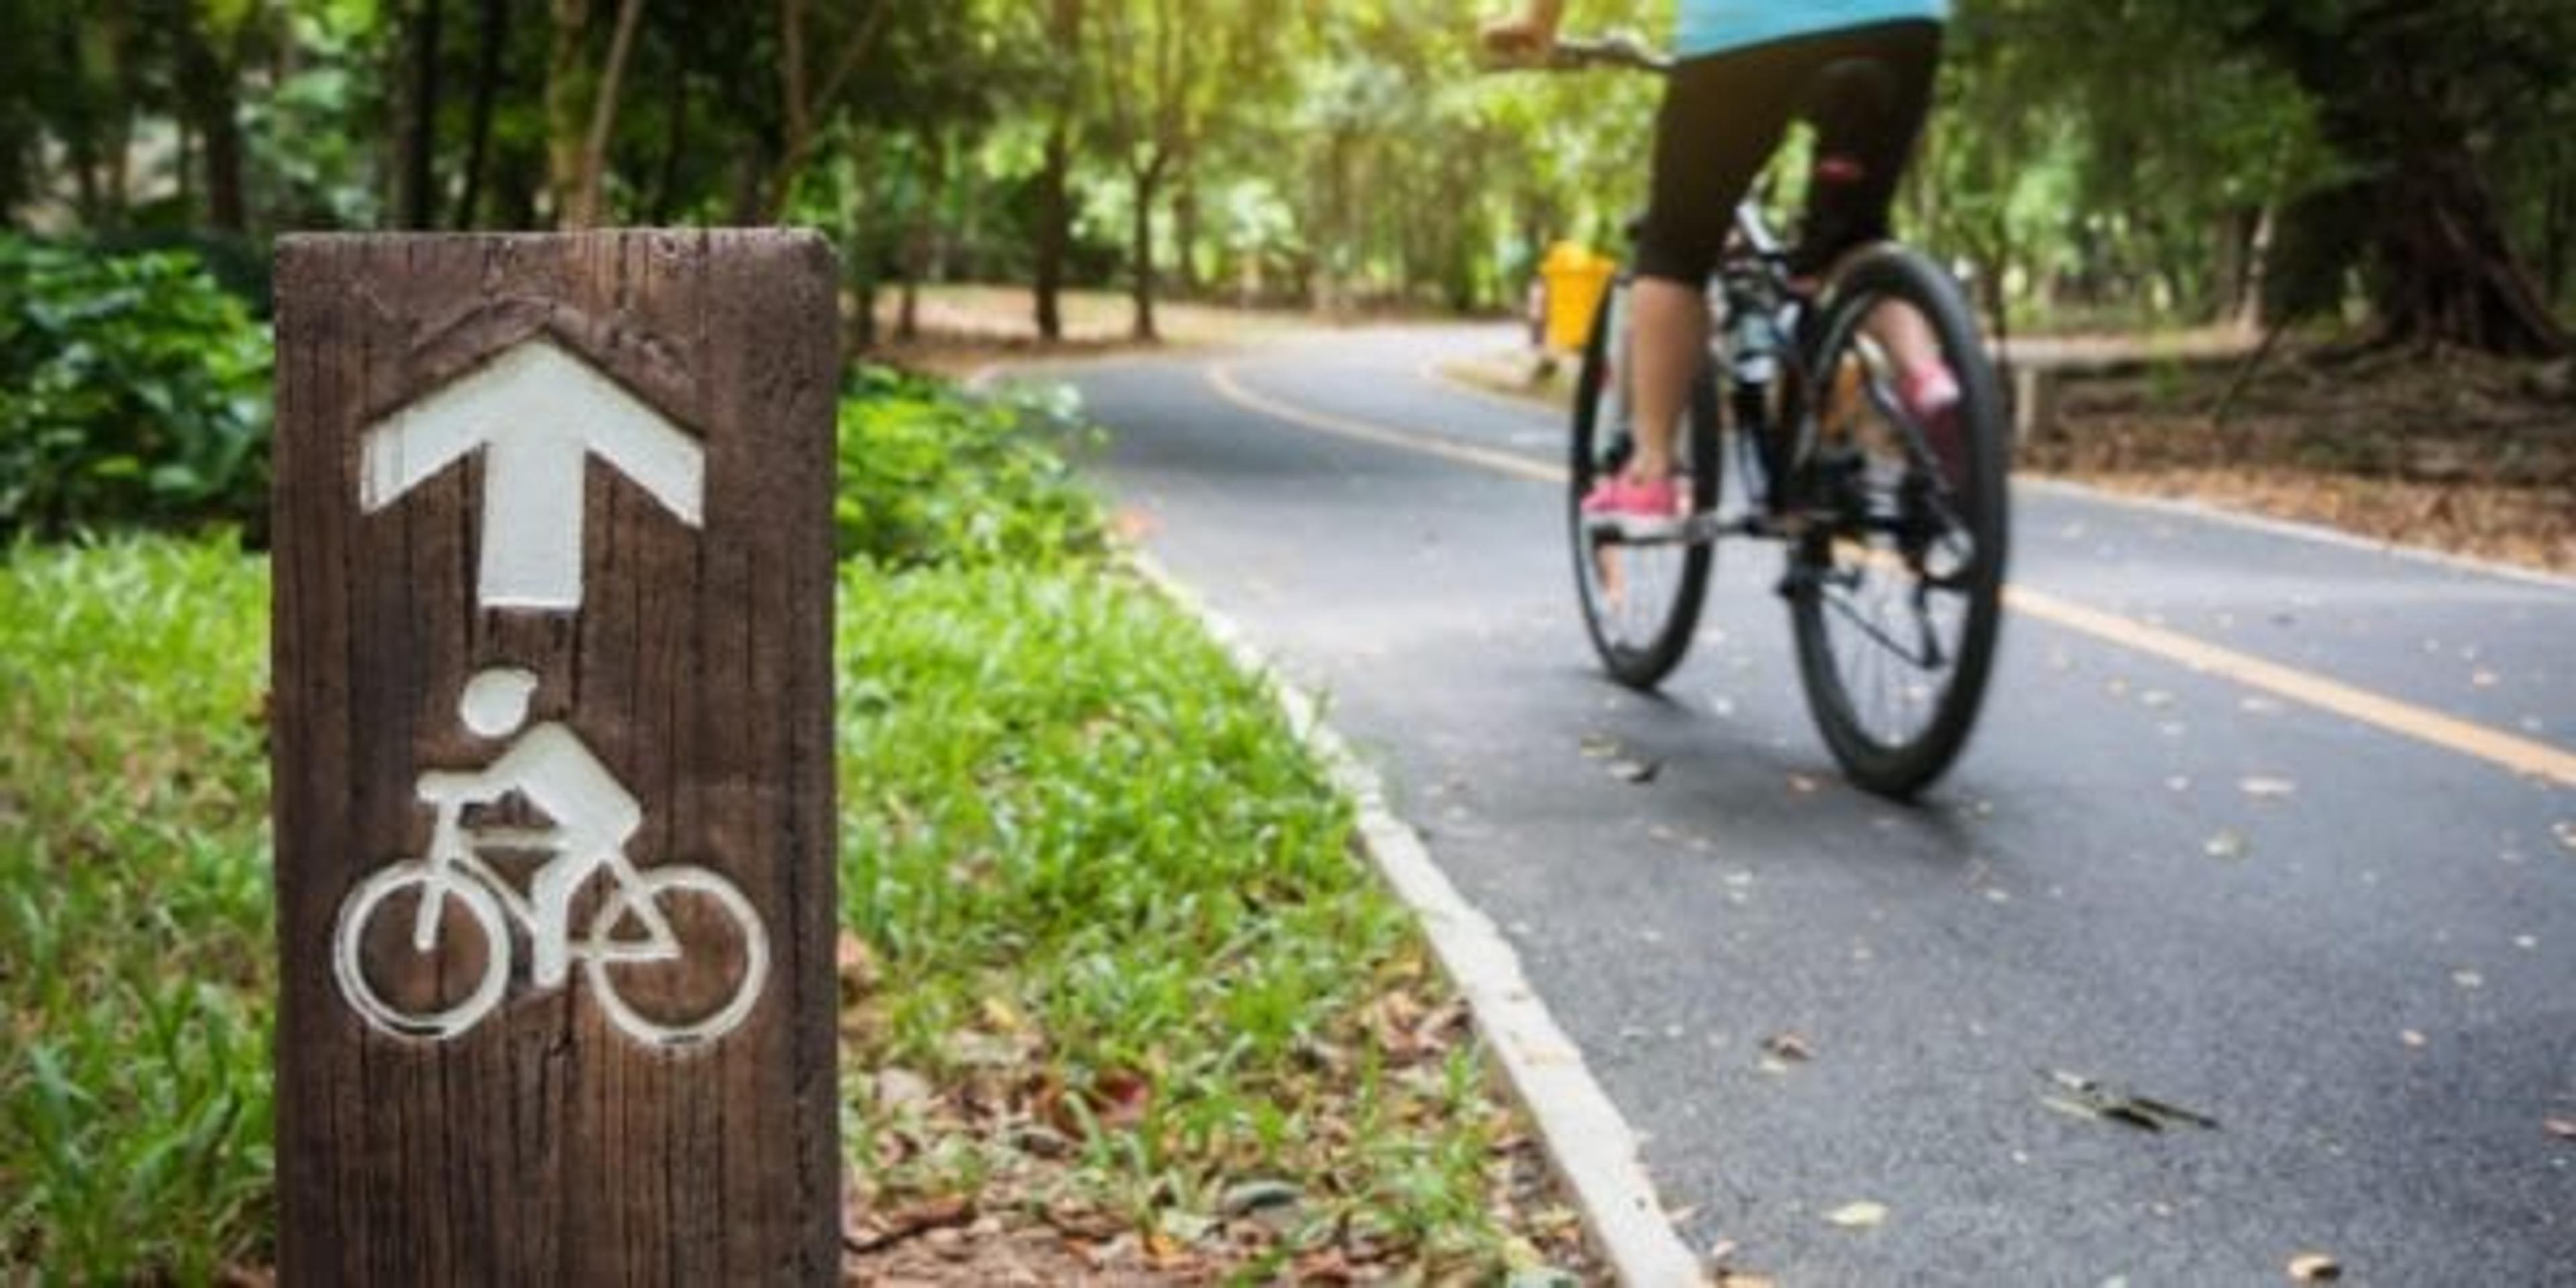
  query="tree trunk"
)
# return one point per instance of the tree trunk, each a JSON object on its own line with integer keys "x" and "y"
{"x": 1185, "y": 235}
{"x": 2446, "y": 273}
{"x": 119, "y": 154}
{"x": 415, "y": 176}
{"x": 921, "y": 228}
{"x": 80, "y": 139}
{"x": 590, "y": 191}
{"x": 675, "y": 140}
{"x": 491, "y": 40}
{"x": 1140, "y": 251}
{"x": 568, "y": 93}
{"x": 2442, "y": 271}
{"x": 206, "y": 95}
{"x": 1055, "y": 228}
{"x": 2558, "y": 224}
{"x": 1055, "y": 180}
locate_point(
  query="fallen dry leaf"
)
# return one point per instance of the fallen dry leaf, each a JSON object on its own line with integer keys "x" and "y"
{"x": 1637, "y": 771}
{"x": 1133, "y": 525}
{"x": 2314, "y": 1268}
{"x": 1857, "y": 1216}
{"x": 856, "y": 965}
{"x": 1788, "y": 1046}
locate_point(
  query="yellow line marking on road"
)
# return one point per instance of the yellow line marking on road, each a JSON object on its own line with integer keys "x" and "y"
{"x": 2509, "y": 751}
{"x": 1221, "y": 378}
{"x": 2519, "y": 754}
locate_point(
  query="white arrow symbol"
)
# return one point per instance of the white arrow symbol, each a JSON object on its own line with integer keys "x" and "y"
{"x": 537, "y": 413}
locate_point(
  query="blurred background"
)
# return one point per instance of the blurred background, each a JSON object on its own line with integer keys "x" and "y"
{"x": 2100, "y": 161}
{"x": 1024, "y": 172}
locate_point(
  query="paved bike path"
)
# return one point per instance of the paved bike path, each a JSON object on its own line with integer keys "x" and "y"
{"x": 2346, "y": 941}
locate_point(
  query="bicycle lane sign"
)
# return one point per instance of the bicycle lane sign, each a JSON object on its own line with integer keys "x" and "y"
{"x": 552, "y": 730}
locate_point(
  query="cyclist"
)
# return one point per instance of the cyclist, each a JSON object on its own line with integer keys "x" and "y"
{"x": 1746, "y": 68}
{"x": 593, "y": 814}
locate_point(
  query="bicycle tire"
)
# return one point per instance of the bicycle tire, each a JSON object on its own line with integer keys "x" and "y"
{"x": 349, "y": 940}
{"x": 1637, "y": 649}
{"x": 1929, "y": 513}
{"x": 729, "y": 1011}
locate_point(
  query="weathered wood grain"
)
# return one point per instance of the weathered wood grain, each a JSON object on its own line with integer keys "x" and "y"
{"x": 543, "y": 1145}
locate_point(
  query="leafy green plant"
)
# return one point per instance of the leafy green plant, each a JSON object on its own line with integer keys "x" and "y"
{"x": 930, "y": 475}
{"x": 133, "y": 392}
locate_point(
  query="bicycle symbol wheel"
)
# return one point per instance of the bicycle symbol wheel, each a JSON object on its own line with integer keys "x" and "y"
{"x": 698, "y": 900}
{"x": 359, "y": 926}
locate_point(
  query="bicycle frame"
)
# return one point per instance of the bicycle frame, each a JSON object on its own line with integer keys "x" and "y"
{"x": 453, "y": 857}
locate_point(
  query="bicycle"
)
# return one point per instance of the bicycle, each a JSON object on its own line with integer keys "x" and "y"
{"x": 455, "y": 870}
{"x": 1895, "y": 546}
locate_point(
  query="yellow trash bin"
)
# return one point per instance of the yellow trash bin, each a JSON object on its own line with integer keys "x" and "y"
{"x": 1575, "y": 279}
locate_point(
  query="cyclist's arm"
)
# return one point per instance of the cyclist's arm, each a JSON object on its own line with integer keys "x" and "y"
{"x": 1527, "y": 33}
{"x": 465, "y": 787}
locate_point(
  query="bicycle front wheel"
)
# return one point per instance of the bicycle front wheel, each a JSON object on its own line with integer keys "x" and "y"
{"x": 704, "y": 985}
{"x": 1641, "y": 600}
{"x": 1896, "y": 590}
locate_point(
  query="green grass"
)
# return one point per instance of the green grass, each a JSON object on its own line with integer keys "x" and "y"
{"x": 135, "y": 910}
{"x": 1104, "y": 895}
{"x": 1095, "y": 865}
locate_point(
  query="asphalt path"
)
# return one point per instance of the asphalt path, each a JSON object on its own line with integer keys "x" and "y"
{"x": 2276, "y": 829}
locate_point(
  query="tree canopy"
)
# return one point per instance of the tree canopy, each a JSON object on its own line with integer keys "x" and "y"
{"x": 2407, "y": 163}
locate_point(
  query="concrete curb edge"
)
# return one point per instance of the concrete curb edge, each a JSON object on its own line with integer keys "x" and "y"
{"x": 1591, "y": 1147}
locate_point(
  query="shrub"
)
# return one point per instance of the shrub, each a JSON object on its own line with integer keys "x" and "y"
{"x": 133, "y": 393}
{"x": 930, "y": 475}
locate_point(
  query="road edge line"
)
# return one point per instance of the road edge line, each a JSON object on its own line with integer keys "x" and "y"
{"x": 2298, "y": 529}
{"x": 1590, "y": 1145}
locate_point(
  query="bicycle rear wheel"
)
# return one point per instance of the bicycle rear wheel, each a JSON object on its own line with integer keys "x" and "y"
{"x": 1641, "y": 600}
{"x": 1896, "y": 593}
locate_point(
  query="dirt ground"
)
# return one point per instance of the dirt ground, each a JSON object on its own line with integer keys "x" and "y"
{"x": 2457, "y": 452}
{"x": 2454, "y": 452}
{"x": 1007, "y": 1236}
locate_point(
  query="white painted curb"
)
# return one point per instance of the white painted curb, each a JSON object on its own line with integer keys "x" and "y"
{"x": 1591, "y": 1146}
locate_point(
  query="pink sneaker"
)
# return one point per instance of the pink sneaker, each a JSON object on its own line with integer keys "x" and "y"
{"x": 1931, "y": 396}
{"x": 1635, "y": 509}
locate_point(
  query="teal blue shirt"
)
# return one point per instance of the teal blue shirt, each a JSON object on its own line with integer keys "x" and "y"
{"x": 1715, "y": 26}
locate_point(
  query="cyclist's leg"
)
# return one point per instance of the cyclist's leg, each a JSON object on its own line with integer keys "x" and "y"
{"x": 1722, "y": 116}
{"x": 1869, "y": 105}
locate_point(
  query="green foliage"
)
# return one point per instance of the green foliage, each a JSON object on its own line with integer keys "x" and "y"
{"x": 134, "y": 898}
{"x": 133, "y": 391}
{"x": 933, "y": 476}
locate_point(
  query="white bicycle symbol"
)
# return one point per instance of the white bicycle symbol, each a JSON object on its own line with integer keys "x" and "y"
{"x": 550, "y": 765}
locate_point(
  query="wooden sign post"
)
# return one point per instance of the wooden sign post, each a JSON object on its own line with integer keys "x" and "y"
{"x": 553, "y": 750}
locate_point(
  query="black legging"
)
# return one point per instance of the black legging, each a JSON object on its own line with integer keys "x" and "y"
{"x": 1866, "y": 89}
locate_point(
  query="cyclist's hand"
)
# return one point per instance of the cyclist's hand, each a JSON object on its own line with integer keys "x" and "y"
{"x": 440, "y": 786}
{"x": 1524, "y": 37}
